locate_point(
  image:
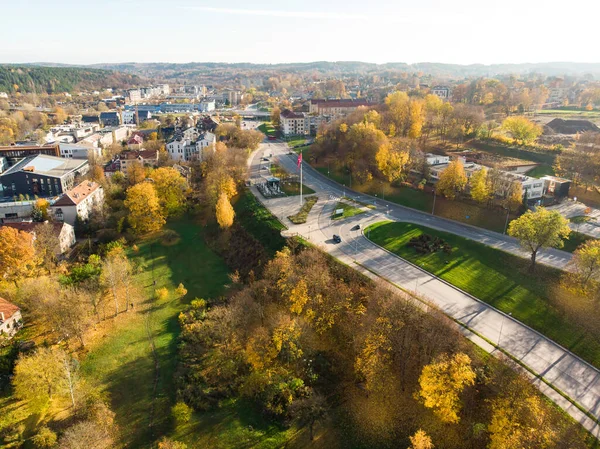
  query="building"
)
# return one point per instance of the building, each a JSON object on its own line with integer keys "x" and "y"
{"x": 442, "y": 92}
{"x": 335, "y": 107}
{"x": 435, "y": 159}
{"x": 80, "y": 201}
{"x": 134, "y": 95}
{"x": 15, "y": 210}
{"x": 533, "y": 188}
{"x": 556, "y": 187}
{"x": 191, "y": 147}
{"x": 206, "y": 106}
{"x": 75, "y": 151}
{"x": 232, "y": 97}
{"x": 10, "y": 318}
{"x": 15, "y": 152}
{"x": 294, "y": 123}
{"x": 42, "y": 175}
{"x": 70, "y": 133}
{"x": 110, "y": 118}
{"x": 144, "y": 157}
{"x": 128, "y": 117}
{"x": 135, "y": 142}
{"x": 64, "y": 232}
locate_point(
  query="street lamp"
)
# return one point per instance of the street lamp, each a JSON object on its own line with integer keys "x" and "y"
{"x": 506, "y": 224}
{"x": 501, "y": 326}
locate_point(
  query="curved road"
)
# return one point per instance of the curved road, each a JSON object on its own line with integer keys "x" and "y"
{"x": 547, "y": 360}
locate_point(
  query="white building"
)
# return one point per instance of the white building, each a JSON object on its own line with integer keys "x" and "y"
{"x": 74, "y": 151}
{"x": 80, "y": 201}
{"x": 185, "y": 149}
{"x": 128, "y": 117}
{"x": 206, "y": 106}
{"x": 435, "y": 159}
{"x": 294, "y": 123}
{"x": 10, "y": 318}
{"x": 442, "y": 92}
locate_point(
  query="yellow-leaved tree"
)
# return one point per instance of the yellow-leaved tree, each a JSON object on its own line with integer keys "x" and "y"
{"x": 420, "y": 440}
{"x": 522, "y": 129}
{"x": 480, "y": 187}
{"x": 442, "y": 382}
{"x": 540, "y": 229}
{"x": 145, "y": 213}
{"x": 392, "y": 161}
{"x": 224, "y": 212}
{"x": 452, "y": 180}
{"x": 17, "y": 254}
{"x": 171, "y": 188}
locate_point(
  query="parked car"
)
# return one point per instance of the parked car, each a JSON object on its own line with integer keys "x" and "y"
{"x": 337, "y": 238}
{"x": 356, "y": 228}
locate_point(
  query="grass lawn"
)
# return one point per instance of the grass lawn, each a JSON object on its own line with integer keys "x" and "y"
{"x": 496, "y": 277}
{"x": 259, "y": 222}
{"x": 268, "y": 129}
{"x": 122, "y": 363}
{"x": 514, "y": 152}
{"x": 295, "y": 141}
{"x": 348, "y": 211}
{"x": 302, "y": 215}
{"x": 541, "y": 170}
{"x": 291, "y": 188}
{"x": 575, "y": 239}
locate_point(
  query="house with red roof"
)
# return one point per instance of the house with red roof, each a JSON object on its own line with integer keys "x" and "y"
{"x": 10, "y": 318}
{"x": 135, "y": 142}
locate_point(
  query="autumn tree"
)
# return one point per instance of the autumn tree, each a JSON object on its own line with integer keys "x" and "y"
{"x": 88, "y": 435}
{"x": 47, "y": 245}
{"x": 144, "y": 208}
{"x": 309, "y": 411}
{"x": 116, "y": 274}
{"x": 539, "y": 229}
{"x": 452, "y": 180}
{"x": 586, "y": 263}
{"x": 224, "y": 212}
{"x": 522, "y": 129}
{"x": 443, "y": 381}
{"x": 171, "y": 189}
{"x": 17, "y": 254}
{"x": 136, "y": 173}
{"x": 276, "y": 116}
{"x": 420, "y": 440}
{"x": 480, "y": 187}
{"x": 514, "y": 198}
{"x": 45, "y": 438}
{"x": 43, "y": 375}
{"x": 392, "y": 161}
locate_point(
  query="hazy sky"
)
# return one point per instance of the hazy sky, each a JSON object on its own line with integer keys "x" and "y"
{"x": 459, "y": 31}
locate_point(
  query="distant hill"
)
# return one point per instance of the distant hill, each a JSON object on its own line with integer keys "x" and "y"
{"x": 187, "y": 70}
{"x": 32, "y": 78}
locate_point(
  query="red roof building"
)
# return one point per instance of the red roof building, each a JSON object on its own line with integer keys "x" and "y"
{"x": 10, "y": 318}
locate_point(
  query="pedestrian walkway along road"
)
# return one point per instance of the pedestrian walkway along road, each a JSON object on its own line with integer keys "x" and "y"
{"x": 549, "y": 361}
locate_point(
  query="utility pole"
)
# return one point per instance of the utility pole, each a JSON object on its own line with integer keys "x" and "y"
{"x": 506, "y": 224}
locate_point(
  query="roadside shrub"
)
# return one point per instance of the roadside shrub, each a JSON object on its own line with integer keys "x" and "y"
{"x": 181, "y": 413}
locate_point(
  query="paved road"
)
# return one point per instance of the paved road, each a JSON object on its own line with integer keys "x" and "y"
{"x": 556, "y": 365}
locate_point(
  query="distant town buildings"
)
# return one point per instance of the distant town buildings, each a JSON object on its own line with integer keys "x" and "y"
{"x": 335, "y": 107}
{"x": 442, "y": 92}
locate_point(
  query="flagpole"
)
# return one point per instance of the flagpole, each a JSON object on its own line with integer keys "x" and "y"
{"x": 300, "y": 177}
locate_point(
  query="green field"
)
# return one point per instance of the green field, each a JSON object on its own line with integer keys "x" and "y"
{"x": 259, "y": 222}
{"x": 541, "y": 170}
{"x": 496, "y": 277}
{"x": 295, "y": 141}
{"x": 348, "y": 211}
{"x": 268, "y": 129}
{"x": 122, "y": 363}
{"x": 514, "y": 152}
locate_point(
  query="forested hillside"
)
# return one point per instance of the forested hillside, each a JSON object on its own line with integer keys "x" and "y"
{"x": 60, "y": 79}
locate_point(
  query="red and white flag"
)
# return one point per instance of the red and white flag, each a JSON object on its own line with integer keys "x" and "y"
{"x": 299, "y": 160}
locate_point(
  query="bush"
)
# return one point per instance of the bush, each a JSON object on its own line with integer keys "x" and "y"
{"x": 181, "y": 413}
{"x": 181, "y": 290}
{"x": 426, "y": 244}
{"x": 45, "y": 438}
{"x": 162, "y": 294}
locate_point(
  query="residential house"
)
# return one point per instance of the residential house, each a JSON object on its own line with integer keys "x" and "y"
{"x": 184, "y": 148}
{"x": 135, "y": 142}
{"x": 80, "y": 201}
{"x": 144, "y": 157}
{"x": 556, "y": 187}
{"x": 294, "y": 123}
{"x": 65, "y": 233}
{"x": 442, "y": 92}
{"x": 10, "y": 318}
{"x": 42, "y": 175}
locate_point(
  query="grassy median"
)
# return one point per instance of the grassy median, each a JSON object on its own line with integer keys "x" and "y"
{"x": 348, "y": 211}
{"x": 495, "y": 277}
{"x": 301, "y": 216}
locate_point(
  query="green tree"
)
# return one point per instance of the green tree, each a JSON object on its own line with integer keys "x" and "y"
{"x": 309, "y": 411}
{"x": 452, "y": 180}
{"x": 539, "y": 229}
{"x": 442, "y": 383}
{"x": 480, "y": 187}
{"x": 522, "y": 129}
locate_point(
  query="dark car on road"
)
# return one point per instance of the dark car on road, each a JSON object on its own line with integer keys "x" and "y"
{"x": 337, "y": 238}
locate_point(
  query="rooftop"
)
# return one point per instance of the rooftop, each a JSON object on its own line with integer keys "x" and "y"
{"x": 286, "y": 113}
{"x": 77, "y": 194}
{"x": 46, "y": 165}
{"x": 8, "y": 308}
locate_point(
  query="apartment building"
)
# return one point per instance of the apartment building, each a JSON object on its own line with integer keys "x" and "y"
{"x": 335, "y": 107}
{"x": 294, "y": 123}
{"x": 191, "y": 146}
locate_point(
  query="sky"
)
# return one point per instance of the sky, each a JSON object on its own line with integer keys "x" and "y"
{"x": 266, "y": 31}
